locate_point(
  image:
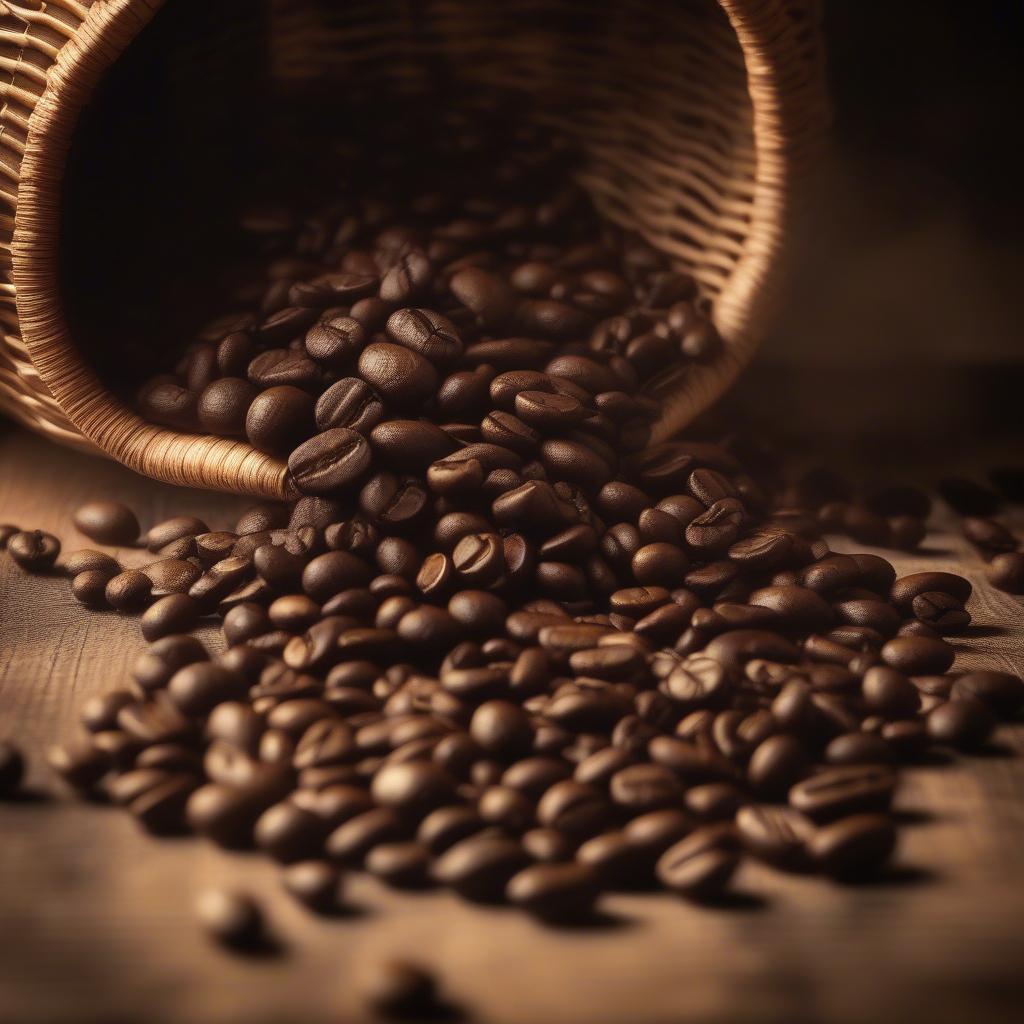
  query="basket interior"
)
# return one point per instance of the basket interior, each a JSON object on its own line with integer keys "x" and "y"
{"x": 214, "y": 106}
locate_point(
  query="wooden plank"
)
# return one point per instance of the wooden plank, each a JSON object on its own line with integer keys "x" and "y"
{"x": 96, "y": 918}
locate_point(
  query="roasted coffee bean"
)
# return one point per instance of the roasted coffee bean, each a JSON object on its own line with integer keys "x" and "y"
{"x": 906, "y": 588}
{"x": 316, "y": 884}
{"x": 223, "y": 406}
{"x": 349, "y": 403}
{"x": 889, "y": 693}
{"x": 169, "y": 405}
{"x": 917, "y": 655}
{"x": 697, "y": 867}
{"x": 1001, "y": 692}
{"x": 945, "y": 614}
{"x": 129, "y": 591}
{"x": 89, "y": 588}
{"x": 107, "y": 522}
{"x": 172, "y": 576}
{"x": 964, "y": 722}
{"x": 231, "y": 918}
{"x": 86, "y": 560}
{"x": 1006, "y": 572}
{"x": 278, "y": 419}
{"x": 855, "y": 847}
{"x": 427, "y": 333}
{"x": 837, "y": 792}
{"x": 775, "y": 765}
{"x": 329, "y": 461}
{"x": 403, "y": 377}
{"x": 480, "y": 867}
{"x": 778, "y": 835}
{"x": 987, "y": 535}
{"x": 175, "y": 613}
{"x": 556, "y": 892}
{"x": 398, "y": 989}
{"x": 409, "y": 445}
{"x": 34, "y": 551}
{"x": 335, "y": 343}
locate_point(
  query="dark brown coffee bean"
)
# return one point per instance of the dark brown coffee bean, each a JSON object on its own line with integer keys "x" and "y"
{"x": 906, "y": 588}
{"x": 335, "y": 343}
{"x": 837, "y": 792}
{"x": 409, "y": 445}
{"x": 945, "y": 614}
{"x": 918, "y": 655}
{"x": 717, "y": 528}
{"x": 403, "y": 377}
{"x": 889, "y": 693}
{"x": 278, "y": 419}
{"x": 859, "y": 748}
{"x": 855, "y": 847}
{"x": 224, "y": 404}
{"x": 490, "y": 298}
{"x": 776, "y": 764}
{"x": 329, "y": 461}
{"x": 169, "y": 405}
{"x": 778, "y": 835}
{"x": 108, "y": 522}
{"x": 964, "y": 723}
{"x": 34, "y": 551}
{"x": 282, "y": 367}
{"x": 479, "y": 868}
{"x": 698, "y": 682}
{"x": 129, "y": 591}
{"x": 349, "y": 403}
{"x": 645, "y": 787}
{"x": 231, "y": 918}
{"x": 1001, "y": 692}
{"x": 557, "y": 892}
{"x": 86, "y": 560}
{"x": 289, "y": 833}
{"x": 397, "y": 989}
{"x": 81, "y": 765}
{"x": 316, "y": 884}
{"x": 89, "y": 588}
{"x": 196, "y": 689}
{"x": 175, "y": 613}
{"x": 696, "y": 870}
{"x": 427, "y": 333}
{"x": 574, "y": 808}
{"x": 1006, "y": 572}
{"x": 333, "y": 572}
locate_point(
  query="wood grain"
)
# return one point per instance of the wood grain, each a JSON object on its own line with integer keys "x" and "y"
{"x": 96, "y": 918}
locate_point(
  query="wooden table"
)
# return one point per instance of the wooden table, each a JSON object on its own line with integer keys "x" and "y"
{"x": 96, "y": 919}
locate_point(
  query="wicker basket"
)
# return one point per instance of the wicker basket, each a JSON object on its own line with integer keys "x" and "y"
{"x": 695, "y": 119}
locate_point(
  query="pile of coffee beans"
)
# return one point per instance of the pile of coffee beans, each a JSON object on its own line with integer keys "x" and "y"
{"x": 502, "y": 642}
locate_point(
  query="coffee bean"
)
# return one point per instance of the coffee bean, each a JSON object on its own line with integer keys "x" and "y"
{"x": 1001, "y": 692}
{"x": 917, "y": 655}
{"x": 964, "y": 723}
{"x": 329, "y": 461}
{"x": 778, "y": 835}
{"x": 694, "y": 869}
{"x": 223, "y": 406}
{"x": 108, "y": 522}
{"x": 889, "y": 693}
{"x": 175, "y": 613}
{"x": 855, "y": 847}
{"x": 403, "y": 377}
{"x": 349, "y": 403}
{"x": 427, "y": 333}
{"x": 169, "y": 405}
{"x": 479, "y": 868}
{"x": 1006, "y": 572}
{"x": 231, "y": 918}
{"x": 557, "y": 892}
{"x": 397, "y": 989}
{"x": 316, "y": 884}
{"x": 278, "y": 419}
{"x": 837, "y": 792}
{"x": 409, "y": 445}
{"x": 129, "y": 591}
{"x": 906, "y": 588}
{"x": 335, "y": 343}
{"x": 35, "y": 551}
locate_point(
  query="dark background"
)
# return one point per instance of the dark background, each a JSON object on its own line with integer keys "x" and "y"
{"x": 904, "y": 308}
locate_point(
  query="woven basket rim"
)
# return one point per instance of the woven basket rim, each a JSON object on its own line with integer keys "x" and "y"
{"x": 745, "y": 302}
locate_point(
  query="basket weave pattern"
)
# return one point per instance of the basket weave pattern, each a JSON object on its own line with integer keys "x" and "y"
{"x": 694, "y": 118}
